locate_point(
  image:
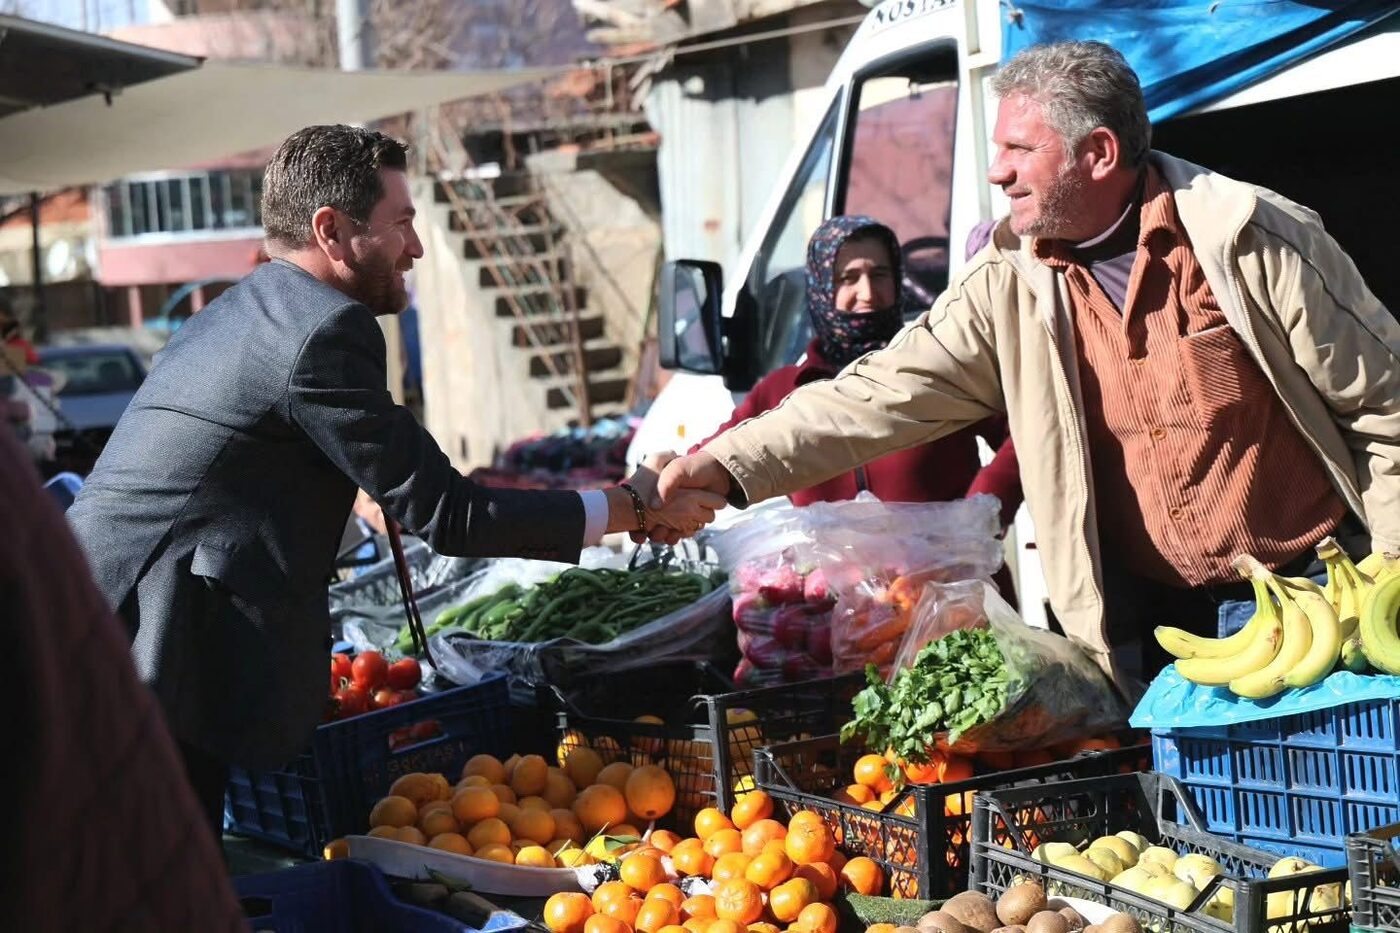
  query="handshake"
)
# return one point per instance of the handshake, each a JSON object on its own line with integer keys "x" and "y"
{"x": 681, "y": 495}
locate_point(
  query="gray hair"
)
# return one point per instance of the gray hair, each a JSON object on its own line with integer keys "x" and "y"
{"x": 1081, "y": 86}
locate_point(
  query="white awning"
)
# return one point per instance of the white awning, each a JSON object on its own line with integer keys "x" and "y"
{"x": 211, "y": 112}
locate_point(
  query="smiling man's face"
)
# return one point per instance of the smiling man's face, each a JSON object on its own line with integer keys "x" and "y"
{"x": 1041, "y": 178}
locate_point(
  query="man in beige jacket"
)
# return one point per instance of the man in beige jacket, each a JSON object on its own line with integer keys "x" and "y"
{"x": 1191, "y": 366}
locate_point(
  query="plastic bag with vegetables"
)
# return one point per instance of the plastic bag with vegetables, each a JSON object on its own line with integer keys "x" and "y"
{"x": 970, "y": 676}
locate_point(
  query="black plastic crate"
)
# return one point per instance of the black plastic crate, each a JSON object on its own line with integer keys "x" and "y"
{"x": 1373, "y": 863}
{"x": 710, "y": 731}
{"x": 921, "y": 837}
{"x": 328, "y": 792}
{"x": 1008, "y": 824}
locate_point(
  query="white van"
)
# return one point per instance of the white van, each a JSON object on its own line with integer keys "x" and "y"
{"x": 905, "y": 137}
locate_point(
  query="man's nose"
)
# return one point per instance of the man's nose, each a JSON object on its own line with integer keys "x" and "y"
{"x": 999, "y": 173}
{"x": 414, "y": 246}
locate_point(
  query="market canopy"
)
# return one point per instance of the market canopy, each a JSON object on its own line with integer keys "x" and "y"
{"x": 1189, "y": 53}
{"x": 211, "y": 112}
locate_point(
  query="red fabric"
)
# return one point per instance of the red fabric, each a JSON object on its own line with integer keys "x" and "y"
{"x": 1193, "y": 452}
{"x": 31, "y": 356}
{"x": 939, "y": 471}
{"x": 104, "y": 832}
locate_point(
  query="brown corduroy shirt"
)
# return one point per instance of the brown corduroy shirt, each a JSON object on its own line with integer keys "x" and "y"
{"x": 1194, "y": 458}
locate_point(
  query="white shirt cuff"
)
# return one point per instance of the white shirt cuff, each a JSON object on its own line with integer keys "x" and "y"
{"x": 595, "y": 515}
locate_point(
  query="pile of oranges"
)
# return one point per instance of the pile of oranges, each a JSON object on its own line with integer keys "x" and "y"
{"x": 523, "y": 811}
{"x": 765, "y": 877}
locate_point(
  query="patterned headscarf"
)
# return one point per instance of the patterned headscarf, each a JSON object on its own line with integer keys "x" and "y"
{"x": 844, "y": 337}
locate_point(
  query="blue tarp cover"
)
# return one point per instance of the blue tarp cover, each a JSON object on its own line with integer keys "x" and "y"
{"x": 1188, "y": 53}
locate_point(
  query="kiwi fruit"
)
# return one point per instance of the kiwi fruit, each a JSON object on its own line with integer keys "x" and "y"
{"x": 1120, "y": 923}
{"x": 973, "y": 910}
{"x": 1047, "y": 921}
{"x": 941, "y": 921}
{"x": 1020, "y": 903}
{"x": 1073, "y": 919}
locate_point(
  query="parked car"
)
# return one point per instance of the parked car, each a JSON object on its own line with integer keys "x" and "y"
{"x": 98, "y": 382}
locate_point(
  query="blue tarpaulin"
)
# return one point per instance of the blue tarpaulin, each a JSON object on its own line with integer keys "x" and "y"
{"x": 1188, "y": 53}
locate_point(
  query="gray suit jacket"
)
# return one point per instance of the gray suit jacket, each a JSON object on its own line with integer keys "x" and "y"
{"x": 212, "y": 518}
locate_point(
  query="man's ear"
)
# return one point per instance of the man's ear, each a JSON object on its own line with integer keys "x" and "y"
{"x": 329, "y": 234}
{"x": 1104, "y": 152}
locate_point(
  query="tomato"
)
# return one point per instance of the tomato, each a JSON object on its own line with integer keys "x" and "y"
{"x": 384, "y": 697}
{"x": 408, "y": 696}
{"x": 340, "y": 666}
{"x": 427, "y": 729}
{"x": 369, "y": 670}
{"x": 405, "y": 674}
{"x": 352, "y": 701}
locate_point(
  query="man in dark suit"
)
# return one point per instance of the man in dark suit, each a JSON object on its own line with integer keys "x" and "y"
{"x": 212, "y": 518}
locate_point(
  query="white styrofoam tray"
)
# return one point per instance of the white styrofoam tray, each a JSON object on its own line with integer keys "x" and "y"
{"x": 406, "y": 860}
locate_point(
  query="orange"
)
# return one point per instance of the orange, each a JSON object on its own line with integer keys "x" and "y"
{"x": 822, "y": 875}
{"x": 641, "y": 872}
{"x": 956, "y": 768}
{"x": 762, "y": 927}
{"x": 818, "y": 918}
{"x": 787, "y": 899}
{"x": 487, "y": 766}
{"x": 738, "y": 899}
{"x": 558, "y": 789}
{"x": 567, "y": 911}
{"x": 870, "y": 771}
{"x": 958, "y": 804}
{"x": 697, "y": 924}
{"x": 672, "y": 928}
{"x": 534, "y": 857}
{"x": 863, "y": 875}
{"x": 572, "y": 739}
{"x": 601, "y": 923}
{"x": 599, "y": 806}
{"x": 760, "y": 832}
{"x": 650, "y": 792}
{"x": 474, "y": 804}
{"x": 654, "y": 914}
{"x": 775, "y": 845}
{"x": 880, "y": 928}
{"x": 582, "y": 765}
{"x": 336, "y": 848}
{"x": 610, "y": 891}
{"x": 690, "y": 858}
{"x": 724, "y": 841}
{"x": 533, "y": 802}
{"x": 648, "y": 744}
{"x": 474, "y": 780}
{"x": 769, "y": 869}
{"x": 434, "y": 822}
{"x": 625, "y": 829}
{"x": 754, "y": 806}
{"x": 925, "y": 773}
{"x": 607, "y": 747}
{"x": 667, "y": 892}
{"x": 624, "y": 909}
{"x": 433, "y": 806}
{"x": 530, "y": 775}
{"x": 393, "y": 811}
{"x": 503, "y": 793}
{"x": 710, "y": 821}
{"x": 664, "y": 839}
{"x": 567, "y": 826}
{"x": 451, "y": 842}
{"x": 615, "y": 774}
{"x": 535, "y": 825}
{"x": 381, "y": 832}
{"x": 724, "y": 926}
{"x": 805, "y": 818}
{"x": 873, "y": 805}
{"x": 508, "y": 813}
{"x": 418, "y": 787}
{"x": 730, "y": 865}
{"x": 488, "y": 832}
{"x": 806, "y": 843}
{"x": 698, "y": 906}
{"x": 411, "y": 834}
{"x": 837, "y": 862}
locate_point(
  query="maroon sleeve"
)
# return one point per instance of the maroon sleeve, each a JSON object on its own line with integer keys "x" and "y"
{"x": 105, "y": 832}
{"x": 764, "y": 395}
{"x": 1001, "y": 478}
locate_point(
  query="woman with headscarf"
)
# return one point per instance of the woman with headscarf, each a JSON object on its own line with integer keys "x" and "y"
{"x": 855, "y": 299}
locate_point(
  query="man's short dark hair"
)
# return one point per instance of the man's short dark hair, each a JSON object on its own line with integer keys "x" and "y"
{"x": 325, "y": 166}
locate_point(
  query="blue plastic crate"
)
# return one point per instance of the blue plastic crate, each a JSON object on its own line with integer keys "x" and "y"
{"x": 1294, "y": 785}
{"x": 342, "y": 896}
{"x": 328, "y": 792}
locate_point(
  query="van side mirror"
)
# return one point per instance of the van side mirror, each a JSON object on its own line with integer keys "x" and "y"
{"x": 688, "y": 316}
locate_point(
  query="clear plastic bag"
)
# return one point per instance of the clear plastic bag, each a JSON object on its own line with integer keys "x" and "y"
{"x": 816, "y": 588}
{"x": 1055, "y": 692}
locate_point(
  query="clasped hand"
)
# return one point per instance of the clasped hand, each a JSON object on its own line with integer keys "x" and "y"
{"x": 682, "y": 494}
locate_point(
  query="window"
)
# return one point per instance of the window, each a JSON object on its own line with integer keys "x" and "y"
{"x": 185, "y": 203}
{"x": 900, "y": 166}
{"x": 778, "y": 280}
{"x": 95, "y": 373}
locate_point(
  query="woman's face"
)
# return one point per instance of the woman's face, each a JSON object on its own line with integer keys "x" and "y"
{"x": 864, "y": 277}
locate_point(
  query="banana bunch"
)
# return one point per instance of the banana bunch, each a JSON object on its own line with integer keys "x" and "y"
{"x": 1346, "y": 590}
{"x": 1379, "y": 613}
{"x": 1294, "y": 639}
{"x": 1371, "y": 593}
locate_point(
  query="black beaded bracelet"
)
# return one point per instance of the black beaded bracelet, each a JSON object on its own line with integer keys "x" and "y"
{"x": 638, "y": 505}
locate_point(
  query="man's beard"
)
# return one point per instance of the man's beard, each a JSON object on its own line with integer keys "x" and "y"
{"x": 1058, "y": 206}
{"x": 376, "y": 286}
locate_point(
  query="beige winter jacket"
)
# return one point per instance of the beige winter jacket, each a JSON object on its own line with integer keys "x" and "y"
{"x": 1001, "y": 339}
